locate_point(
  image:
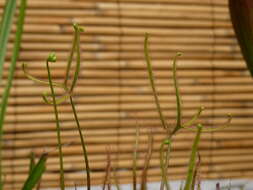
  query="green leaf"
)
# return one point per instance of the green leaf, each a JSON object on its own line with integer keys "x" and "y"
{"x": 36, "y": 173}
{"x": 241, "y": 12}
{"x": 9, "y": 10}
{"x": 5, "y": 26}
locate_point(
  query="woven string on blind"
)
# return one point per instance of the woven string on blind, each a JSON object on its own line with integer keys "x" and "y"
{"x": 113, "y": 90}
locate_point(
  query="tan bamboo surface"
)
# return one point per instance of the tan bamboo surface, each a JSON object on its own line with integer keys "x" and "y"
{"x": 113, "y": 95}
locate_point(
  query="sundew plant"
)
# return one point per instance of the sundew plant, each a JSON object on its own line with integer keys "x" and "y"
{"x": 165, "y": 148}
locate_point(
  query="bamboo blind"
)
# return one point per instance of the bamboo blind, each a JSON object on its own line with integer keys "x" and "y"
{"x": 113, "y": 91}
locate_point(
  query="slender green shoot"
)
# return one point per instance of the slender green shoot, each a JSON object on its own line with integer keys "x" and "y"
{"x": 77, "y": 29}
{"x": 78, "y": 59}
{"x": 76, "y": 47}
{"x": 52, "y": 58}
{"x": 196, "y": 171}
{"x": 178, "y": 98}
{"x": 152, "y": 82}
{"x": 5, "y": 29}
{"x": 70, "y": 59}
{"x": 85, "y": 154}
{"x": 192, "y": 162}
{"x": 164, "y": 163}
{"x": 4, "y": 33}
{"x": 36, "y": 173}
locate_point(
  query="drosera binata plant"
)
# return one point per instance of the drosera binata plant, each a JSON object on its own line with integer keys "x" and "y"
{"x": 50, "y": 98}
{"x": 164, "y": 157}
{"x": 165, "y": 147}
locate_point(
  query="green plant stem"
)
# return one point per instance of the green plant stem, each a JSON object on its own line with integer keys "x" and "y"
{"x": 9, "y": 11}
{"x": 85, "y": 154}
{"x": 178, "y": 99}
{"x": 164, "y": 165}
{"x": 152, "y": 82}
{"x": 4, "y": 102}
{"x": 190, "y": 172}
{"x": 57, "y": 128}
{"x": 78, "y": 60}
{"x": 70, "y": 58}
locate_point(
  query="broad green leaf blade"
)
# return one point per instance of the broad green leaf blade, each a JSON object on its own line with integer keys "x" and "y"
{"x": 5, "y": 28}
{"x": 14, "y": 58}
{"x": 241, "y": 12}
{"x": 36, "y": 173}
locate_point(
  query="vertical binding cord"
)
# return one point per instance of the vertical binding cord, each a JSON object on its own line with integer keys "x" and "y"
{"x": 213, "y": 83}
{"x": 119, "y": 102}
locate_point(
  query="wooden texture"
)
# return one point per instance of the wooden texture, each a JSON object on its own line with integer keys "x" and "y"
{"x": 113, "y": 92}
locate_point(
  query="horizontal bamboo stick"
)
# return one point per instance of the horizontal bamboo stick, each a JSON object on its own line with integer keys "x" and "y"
{"x": 233, "y": 153}
{"x": 131, "y": 47}
{"x": 115, "y": 30}
{"x": 99, "y": 90}
{"x": 129, "y": 13}
{"x": 219, "y": 164}
{"x": 141, "y": 114}
{"x": 127, "y": 174}
{"x": 241, "y": 123}
{"x": 114, "y": 21}
{"x": 126, "y": 39}
{"x": 126, "y": 138}
{"x": 76, "y": 163}
{"x": 21, "y": 109}
{"x": 123, "y": 147}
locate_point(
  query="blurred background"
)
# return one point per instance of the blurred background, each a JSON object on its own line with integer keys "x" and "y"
{"x": 113, "y": 95}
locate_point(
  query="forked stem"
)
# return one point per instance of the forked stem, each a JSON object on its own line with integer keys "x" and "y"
{"x": 152, "y": 83}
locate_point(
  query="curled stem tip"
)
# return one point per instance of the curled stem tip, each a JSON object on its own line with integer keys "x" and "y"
{"x": 51, "y": 57}
{"x": 178, "y": 54}
{"x": 78, "y": 28}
